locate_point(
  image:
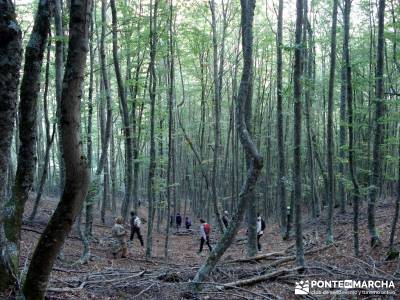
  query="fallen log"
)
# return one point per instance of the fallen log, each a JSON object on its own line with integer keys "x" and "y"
{"x": 256, "y": 258}
{"x": 293, "y": 257}
{"x": 273, "y": 255}
{"x": 257, "y": 279}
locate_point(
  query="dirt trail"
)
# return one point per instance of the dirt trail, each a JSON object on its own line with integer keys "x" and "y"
{"x": 137, "y": 278}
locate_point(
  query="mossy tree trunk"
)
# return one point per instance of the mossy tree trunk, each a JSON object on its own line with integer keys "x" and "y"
{"x": 10, "y": 64}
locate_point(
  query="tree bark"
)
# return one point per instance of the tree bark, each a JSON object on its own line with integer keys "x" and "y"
{"x": 245, "y": 196}
{"x": 125, "y": 116}
{"x": 77, "y": 174}
{"x": 281, "y": 189}
{"x": 10, "y": 64}
{"x": 378, "y": 126}
{"x": 217, "y": 113}
{"x": 171, "y": 127}
{"x": 349, "y": 97}
{"x": 329, "y": 142}
{"x": 59, "y": 61}
{"x": 297, "y": 88}
{"x": 152, "y": 94}
{"x": 49, "y": 139}
{"x": 27, "y": 111}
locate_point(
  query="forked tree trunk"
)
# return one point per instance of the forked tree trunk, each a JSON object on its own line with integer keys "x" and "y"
{"x": 10, "y": 64}
{"x": 247, "y": 192}
{"x": 77, "y": 174}
{"x": 30, "y": 86}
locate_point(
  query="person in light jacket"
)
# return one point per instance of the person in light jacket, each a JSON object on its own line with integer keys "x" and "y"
{"x": 260, "y": 230}
{"x": 120, "y": 234}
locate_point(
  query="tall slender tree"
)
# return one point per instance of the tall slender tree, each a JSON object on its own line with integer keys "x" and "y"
{"x": 247, "y": 193}
{"x": 171, "y": 127}
{"x": 329, "y": 128}
{"x": 297, "y": 88}
{"x": 281, "y": 189}
{"x": 217, "y": 116}
{"x": 125, "y": 116}
{"x": 152, "y": 94}
{"x": 378, "y": 127}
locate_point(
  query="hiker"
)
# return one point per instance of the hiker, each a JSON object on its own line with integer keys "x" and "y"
{"x": 225, "y": 219}
{"x": 188, "y": 223}
{"x": 178, "y": 221}
{"x": 260, "y": 230}
{"x": 135, "y": 227}
{"x": 120, "y": 233}
{"x": 205, "y": 230}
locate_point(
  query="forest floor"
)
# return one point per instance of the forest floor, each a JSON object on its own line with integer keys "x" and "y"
{"x": 137, "y": 278}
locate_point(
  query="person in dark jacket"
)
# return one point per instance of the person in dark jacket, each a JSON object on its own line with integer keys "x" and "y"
{"x": 225, "y": 219}
{"x": 188, "y": 223}
{"x": 135, "y": 228}
{"x": 178, "y": 221}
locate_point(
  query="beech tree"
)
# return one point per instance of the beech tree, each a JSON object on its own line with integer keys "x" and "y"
{"x": 376, "y": 169}
{"x": 76, "y": 171}
{"x": 256, "y": 162}
{"x": 297, "y": 88}
{"x": 29, "y": 92}
{"x": 10, "y": 64}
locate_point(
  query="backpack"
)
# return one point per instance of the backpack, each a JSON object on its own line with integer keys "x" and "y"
{"x": 262, "y": 224}
{"x": 207, "y": 228}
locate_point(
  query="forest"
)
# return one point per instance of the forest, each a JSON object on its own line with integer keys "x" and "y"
{"x": 199, "y": 149}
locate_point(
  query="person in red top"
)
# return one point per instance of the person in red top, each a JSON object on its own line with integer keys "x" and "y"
{"x": 205, "y": 229}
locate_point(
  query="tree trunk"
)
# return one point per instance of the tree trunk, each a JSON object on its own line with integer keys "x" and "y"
{"x": 49, "y": 139}
{"x": 349, "y": 97}
{"x": 217, "y": 112}
{"x": 245, "y": 196}
{"x": 329, "y": 141}
{"x": 59, "y": 61}
{"x": 10, "y": 64}
{"x": 297, "y": 134}
{"x": 30, "y": 87}
{"x": 125, "y": 116}
{"x": 397, "y": 208}
{"x": 378, "y": 126}
{"x": 281, "y": 189}
{"x": 77, "y": 174}
{"x": 152, "y": 94}
{"x": 171, "y": 127}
